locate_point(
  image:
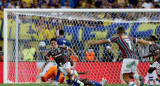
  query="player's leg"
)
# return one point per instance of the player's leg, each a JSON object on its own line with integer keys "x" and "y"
{"x": 137, "y": 77}
{"x": 57, "y": 76}
{"x": 134, "y": 74}
{"x": 70, "y": 75}
{"x": 146, "y": 79}
{"x": 45, "y": 69}
{"x": 150, "y": 74}
{"x": 155, "y": 77}
{"x": 66, "y": 70}
{"x": 61, "y": 79}
{"x": 49, "y": 74}
{"x": 128, "y": 68}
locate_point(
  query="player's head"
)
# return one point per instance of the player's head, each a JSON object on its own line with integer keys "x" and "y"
{"x": 53, "y": 42}
{"x": 152, "y": 38}
{"x": 61, "y": 32}
{"x": 120, "y": 30}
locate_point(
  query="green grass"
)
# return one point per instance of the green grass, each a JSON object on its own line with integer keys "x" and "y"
{"x": 44, "y": 84}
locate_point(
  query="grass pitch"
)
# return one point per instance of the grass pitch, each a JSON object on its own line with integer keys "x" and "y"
{"x": 44, "y": 84}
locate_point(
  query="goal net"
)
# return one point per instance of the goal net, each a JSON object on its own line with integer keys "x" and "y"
{"x": 27, "y": 34}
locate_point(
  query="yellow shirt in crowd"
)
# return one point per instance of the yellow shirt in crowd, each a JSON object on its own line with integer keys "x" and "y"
{"x": 28, "y": 54}
{"x": 28, "y": 2}
{"x": 1, "y": 14}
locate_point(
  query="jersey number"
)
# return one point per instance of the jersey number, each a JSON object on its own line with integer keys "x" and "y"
{"x": 129, "y": 44}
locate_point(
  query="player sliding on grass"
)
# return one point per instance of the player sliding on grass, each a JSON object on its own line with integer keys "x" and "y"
{"x": 52, "y": 73}
{"x": 57, "y": 52}
{"x": 84, "y": 80}
{"x": 126, "y": 44}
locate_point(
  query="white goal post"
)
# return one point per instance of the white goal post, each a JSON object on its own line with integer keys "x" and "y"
{"x": 41, "y": 12}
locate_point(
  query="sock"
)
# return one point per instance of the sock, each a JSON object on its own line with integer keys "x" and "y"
{"x": 132, "y": 84}
{"x": 58, "y": 74}
{"x": 75, "y": 73}
{"x": 151, "y": 81}
{"x": 150, "y": 75}
{"x": 76, "y": 80}
{"x": 136, "y": 76}
{"x": 96, "y": 83}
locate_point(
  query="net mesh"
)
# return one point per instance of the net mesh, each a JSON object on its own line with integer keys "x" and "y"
{"x": 35, "y": 29}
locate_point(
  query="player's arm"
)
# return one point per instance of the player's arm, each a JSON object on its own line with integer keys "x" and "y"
{"x": 99, "y": 42}
{"x": 145, "y": 42}
{"x": 69, "y": 49}
{"x": 45, "y": 54}
{"x": 150, "y": 55}
{"x": 156, "y": 59}
{"x": 86, "y": 72}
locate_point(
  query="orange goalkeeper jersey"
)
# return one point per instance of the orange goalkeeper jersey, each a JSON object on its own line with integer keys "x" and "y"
{"x": 51, "y": 73}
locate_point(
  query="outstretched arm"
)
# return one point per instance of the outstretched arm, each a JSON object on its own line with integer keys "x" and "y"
{"x": 83, "y": 72}
{"x": 99, "y": 42}
{"x": 72, "y": 52}
{"x": 148, "y": 55}
{"x": 144, "y": 42}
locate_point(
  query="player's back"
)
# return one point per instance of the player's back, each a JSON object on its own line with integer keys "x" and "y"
{"x": 63, "y": 41}
{"x": 126, "y": 44}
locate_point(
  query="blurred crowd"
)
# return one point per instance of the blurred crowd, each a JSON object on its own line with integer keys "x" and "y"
{"x": 68, "y": 4}
{"x": 80, "y": 3}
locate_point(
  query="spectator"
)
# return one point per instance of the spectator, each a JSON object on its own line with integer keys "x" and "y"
{"x": 111, "y": 1}
{"x": 142, "y": 17}
{"x": 118, "y": 18}
{"x": 98, "y": 3}
{"x": 90, "y": 56}
{"x": 156, "y": 4}
{"x": 139, "y": 5}
{"x": 23, "y": 5}
{"x": 108, "y": 55}
{"x": 1, "y": 54}
{"x": 133, "y": 2}
{"x": 121, "y": 2}
{"x": 70, "y": 3}
{"x": 0, "y": 3}
{"x": 147, "y": 4}
{"x": 29, "y": 53}
{"x": 79, "y": 5}
{"x": 28, "y": 3}
{"x": 105, "y": 4}
{"x": 12, "y": 4}
{"x": 115, "y": 4}
{"x": 154, "y": 16}
{"x": 53, "y": 3}
{"x": 1, "y": 12}
{"x": 131, "y": 16}
{"x": 5, "y": 4}
{"x": 35, "y": 4}
{"x": 88, "y": 5}
{"x": 66, "y": 6}
{"x": 44, "y": 5}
